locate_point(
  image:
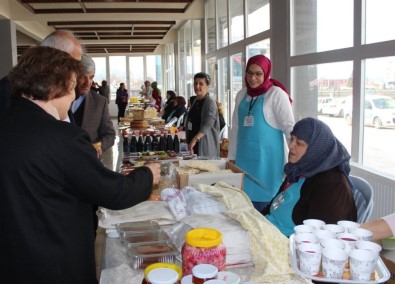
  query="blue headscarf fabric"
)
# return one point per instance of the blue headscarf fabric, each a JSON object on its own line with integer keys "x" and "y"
{"x": 323, "y": 153}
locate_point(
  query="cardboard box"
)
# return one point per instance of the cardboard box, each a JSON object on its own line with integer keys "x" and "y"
{"x": 236, "y": 178}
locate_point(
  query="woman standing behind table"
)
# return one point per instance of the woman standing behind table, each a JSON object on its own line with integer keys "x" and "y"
{"x": 317, "y": 183}
{"x": 261, "y": 117}
{"x": 122, "y": 100}
{"x": 156, "y": 95}
{"x": 169, "y": 105}
{"x": 202, "y": 122}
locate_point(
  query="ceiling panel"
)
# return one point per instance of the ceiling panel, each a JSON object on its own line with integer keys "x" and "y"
{"x": 112, "y": 26}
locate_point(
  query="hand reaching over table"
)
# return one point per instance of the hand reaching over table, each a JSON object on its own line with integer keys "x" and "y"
{"x": 155, "y": 169}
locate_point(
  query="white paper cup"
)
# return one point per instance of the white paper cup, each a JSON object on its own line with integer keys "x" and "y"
{"x": 363, "y": 234}
{"x": 348, "y": 225}
{"x": 317, "y": 224}
{"x": 362, "y": 264}
{"x": 333, "y": 262}
{"x": 335, "y": 228}
{"x": 309, "y": 258}
{"x": 303, "y": 238}
{"x": 368, "y": 245}
{"x": 303, "y": 229}
{"x": 334, "y": 243}
{"x": 324, "y": 234}
{"x": 349, "y": 239}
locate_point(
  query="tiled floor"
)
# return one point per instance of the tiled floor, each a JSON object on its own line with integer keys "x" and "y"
{"x": 111, "y": 158}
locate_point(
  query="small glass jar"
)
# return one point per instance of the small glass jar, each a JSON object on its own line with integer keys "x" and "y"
{"x": 203, "y": 272}
{"x": 203, "y": 245}
{"x": 158, "y": 265}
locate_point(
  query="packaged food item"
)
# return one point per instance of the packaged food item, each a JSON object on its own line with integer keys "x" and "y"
{"x": 143, "y": 254}
{"x": 203, "y": 272}
{"x": 203, "y": 246}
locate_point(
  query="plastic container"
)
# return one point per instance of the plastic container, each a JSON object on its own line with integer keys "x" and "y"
{"x": 203, "y": 272}
{"x": 130, "y": 237}
{"x": 140, "y": 226}
{"x": 167, "y": 265}
{"x": 203, "y": 245}
{"x": 143, "y": 254}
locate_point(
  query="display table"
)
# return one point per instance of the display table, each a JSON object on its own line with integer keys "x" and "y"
{"x": 116, "y": 269}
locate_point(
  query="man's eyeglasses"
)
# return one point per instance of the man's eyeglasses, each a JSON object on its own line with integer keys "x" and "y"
{"x": 256, "y": 74}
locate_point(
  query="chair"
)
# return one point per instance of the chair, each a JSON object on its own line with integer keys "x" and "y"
{"x": 363, "y": 196}
{"x": 180, "y": 120}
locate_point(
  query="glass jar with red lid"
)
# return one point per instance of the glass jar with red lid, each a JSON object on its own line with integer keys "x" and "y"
{"x": 203, "y": 245}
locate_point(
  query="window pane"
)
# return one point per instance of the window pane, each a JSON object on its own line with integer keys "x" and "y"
{"x": 236, "y": 21}
{"x": 100, "y": 73}
{"x": 380, "y": 20}
{"x": 379, "y": 118}
{"x": 196, "y": 47}
{"x": 136, "y": 71}
{"x": 260, "y": 47}
{"x": 210, "y": 26}
{"x": 222, "y": 23}
{"x": 326, "y": 88}
{"x": 117, "y": 72}
{"x": 170, "y": 70}
{"x": 182, "y": 64}
{"x": 258, "y": 16}
{"x": 154, "y": 69}
{"x": 188, "y": 57}
{"x": 320, "y": 25}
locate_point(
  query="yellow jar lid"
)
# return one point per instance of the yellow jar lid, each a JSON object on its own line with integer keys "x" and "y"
{"x": 173, "y": 266}
{"x": 203, "y": 237}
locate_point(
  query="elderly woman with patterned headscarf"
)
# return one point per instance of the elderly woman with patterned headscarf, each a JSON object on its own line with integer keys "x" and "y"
{"x": 262, "y": 118}
{"x": 317, "y": 183}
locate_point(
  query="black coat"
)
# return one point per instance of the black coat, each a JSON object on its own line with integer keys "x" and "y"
{"x": 49, "y": 178}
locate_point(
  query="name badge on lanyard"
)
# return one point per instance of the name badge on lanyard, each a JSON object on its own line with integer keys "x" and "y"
{"x": 189, "y": 125}
{"x": 249, "y": 119}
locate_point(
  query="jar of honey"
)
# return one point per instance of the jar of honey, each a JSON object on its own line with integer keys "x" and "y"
{"x": 203, "y": 246}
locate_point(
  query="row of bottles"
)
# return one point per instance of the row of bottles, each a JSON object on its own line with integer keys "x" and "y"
{"x": 151, "y": 142}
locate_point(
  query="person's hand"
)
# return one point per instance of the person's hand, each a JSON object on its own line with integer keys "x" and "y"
{"x": 155, "y": 169}
{"x": 191, "y": 145}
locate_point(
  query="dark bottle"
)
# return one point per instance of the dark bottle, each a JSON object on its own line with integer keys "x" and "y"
{"x": 155, "y": 142}
{"x": 169, "y": 142}
{"x": 147, "y": 142}
{"x": 162, "y": 142}
{"x": 176, "y": 142}
{"x": 125, "y": 141}
{"x": 133, "y": 143}
{"x": 140, "y": 143}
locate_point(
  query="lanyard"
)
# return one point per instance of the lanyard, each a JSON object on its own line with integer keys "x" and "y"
{"x": 252, "y": 103}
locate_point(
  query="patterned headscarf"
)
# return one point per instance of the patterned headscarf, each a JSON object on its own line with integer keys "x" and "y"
{"x": 263, "y": 62}
{"x": 323, "y": 153}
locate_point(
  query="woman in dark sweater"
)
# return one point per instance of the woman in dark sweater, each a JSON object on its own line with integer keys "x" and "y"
{"x": 317, "y": 184}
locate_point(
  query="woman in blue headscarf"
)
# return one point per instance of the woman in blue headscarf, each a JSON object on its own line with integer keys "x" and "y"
{"x": 317, "y": 184}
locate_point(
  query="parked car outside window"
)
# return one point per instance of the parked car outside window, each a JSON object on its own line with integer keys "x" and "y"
{"x": 336, "y": 107}
{"x": 379, "y": 112}
{"x": 322, "y": 102}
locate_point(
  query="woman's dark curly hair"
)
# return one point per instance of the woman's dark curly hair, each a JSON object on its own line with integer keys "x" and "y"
{"x": 43, "y": 73}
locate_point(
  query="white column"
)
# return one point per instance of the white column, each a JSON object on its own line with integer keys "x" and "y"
{"x": 8, "y": 50}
